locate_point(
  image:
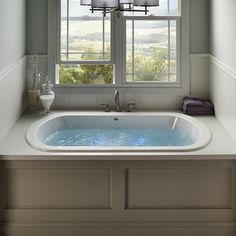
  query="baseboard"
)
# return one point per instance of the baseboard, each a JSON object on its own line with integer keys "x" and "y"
{"x": 118, "y": 229}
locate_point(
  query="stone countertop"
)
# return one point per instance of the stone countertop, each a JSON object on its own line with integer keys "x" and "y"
{"x": 15, "y": 147}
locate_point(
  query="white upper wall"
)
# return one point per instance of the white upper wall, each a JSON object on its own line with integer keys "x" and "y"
{"x": 222, "y": 31}
{"x": 12, "y": 31}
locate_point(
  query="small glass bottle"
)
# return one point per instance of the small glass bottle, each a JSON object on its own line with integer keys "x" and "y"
{"x": 33, "y": 87}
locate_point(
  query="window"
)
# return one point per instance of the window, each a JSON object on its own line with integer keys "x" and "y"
{"x": 129, "y": 50}
{"x": 85, "y": 45}
{"x": 151, "y": 51}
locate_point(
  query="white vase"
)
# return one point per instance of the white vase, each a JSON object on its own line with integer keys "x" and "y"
{"x": 47, "y": 101}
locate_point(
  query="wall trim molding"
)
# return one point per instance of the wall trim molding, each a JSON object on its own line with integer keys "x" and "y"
{"x": 194, "y": 55}
{"x": 41, "y": 58}
{"x": 132, "y": 224}
{"x": 223, "y": 66}
{"x": 216, "y": 60}
{"x": 5, "y": 72}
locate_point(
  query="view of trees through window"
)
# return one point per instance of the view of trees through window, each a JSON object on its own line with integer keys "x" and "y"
{"x": 150, "y": 46}
{"x": 151, "y": 50}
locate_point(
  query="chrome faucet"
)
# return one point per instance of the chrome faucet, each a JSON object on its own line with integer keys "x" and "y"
{"x": 117, "y": 101}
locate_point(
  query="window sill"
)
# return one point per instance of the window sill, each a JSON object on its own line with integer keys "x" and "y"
{"x": 127, "y": 85}
{"x": 175, "y": 89}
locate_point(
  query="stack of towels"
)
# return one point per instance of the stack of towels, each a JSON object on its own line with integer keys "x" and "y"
{"x": 197, "y": 106}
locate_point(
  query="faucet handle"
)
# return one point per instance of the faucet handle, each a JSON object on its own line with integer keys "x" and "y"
{"x": 129, "y": 106}
{"x": 106, "y": 107}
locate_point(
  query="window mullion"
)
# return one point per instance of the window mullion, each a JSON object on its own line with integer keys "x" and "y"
{"x": 169, "y": 45}
{"x": 133, "y": 50}
{"x": 103, "y": 37}
{"x": 67, "y": 29}
{"x": 120, "y": 49}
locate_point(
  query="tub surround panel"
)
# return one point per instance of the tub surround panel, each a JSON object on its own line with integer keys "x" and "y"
{"x": 3, "y": 189}
{"x": 179, "y": 188}
{"x": 65, "y": 189}
{"x": 212, "y": 182}
{"x": 222, "y": 93}
{"x": 12, "y": 90}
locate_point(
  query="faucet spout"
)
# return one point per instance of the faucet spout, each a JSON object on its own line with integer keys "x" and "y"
{"x": 117, "y": 101}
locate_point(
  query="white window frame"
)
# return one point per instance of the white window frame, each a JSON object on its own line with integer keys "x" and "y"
{"x": 86, "y": 62}
{"x": 121, "y": 53}
{"x": 118, "y": 53}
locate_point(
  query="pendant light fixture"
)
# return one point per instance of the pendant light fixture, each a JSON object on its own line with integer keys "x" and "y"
{"x": 108, "y": 6}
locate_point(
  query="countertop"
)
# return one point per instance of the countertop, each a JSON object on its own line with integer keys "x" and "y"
{"x": 15, "y": 147}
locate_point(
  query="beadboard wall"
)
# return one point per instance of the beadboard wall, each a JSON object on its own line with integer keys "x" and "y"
{"x": 72, "y": 99}
{"x": 12, "y": 87}
{"x": 223, "y": 93}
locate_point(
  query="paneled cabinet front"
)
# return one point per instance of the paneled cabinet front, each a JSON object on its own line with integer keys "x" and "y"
{"x": 119, "y": 191}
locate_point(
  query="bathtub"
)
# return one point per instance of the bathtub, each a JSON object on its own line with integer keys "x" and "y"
{"x": 196, "y": 131}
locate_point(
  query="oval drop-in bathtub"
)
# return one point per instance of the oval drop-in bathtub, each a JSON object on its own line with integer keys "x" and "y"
{"x": 197, "y": 132}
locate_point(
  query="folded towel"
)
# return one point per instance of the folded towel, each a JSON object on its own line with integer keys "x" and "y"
{"x": 200, "y": 113}
{"x": 192, "y": 102}
{"x": 197, "y": 106}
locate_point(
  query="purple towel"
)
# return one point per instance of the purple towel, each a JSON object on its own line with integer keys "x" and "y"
{"x": 199, "y": 113}
{"x": 197, "y": 107}
{"x": 192, "y": 102}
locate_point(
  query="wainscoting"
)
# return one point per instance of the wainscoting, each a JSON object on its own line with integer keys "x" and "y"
{"x": 12, "y": 88}
{"x": 145, "y": 99}
{"x": 223, "y": 94}
{"x": 129, "y": 198}
{"x": 221, "y": 86}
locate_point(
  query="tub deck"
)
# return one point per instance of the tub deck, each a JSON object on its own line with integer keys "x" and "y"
{"x": 15, "y": 147}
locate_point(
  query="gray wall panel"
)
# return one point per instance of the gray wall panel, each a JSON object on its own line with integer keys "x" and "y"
{"x": 199, "y": 26}
{"x": 37, "y": 26}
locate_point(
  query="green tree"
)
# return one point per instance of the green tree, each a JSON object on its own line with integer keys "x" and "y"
{"x": 147, "y": 68}
{"x": 150, "y": 68}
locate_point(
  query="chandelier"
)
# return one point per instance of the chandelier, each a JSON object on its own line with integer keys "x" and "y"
{"x": 108, "y": 6}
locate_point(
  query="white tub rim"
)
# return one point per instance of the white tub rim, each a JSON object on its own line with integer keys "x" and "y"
{"x": 33, "y": 140}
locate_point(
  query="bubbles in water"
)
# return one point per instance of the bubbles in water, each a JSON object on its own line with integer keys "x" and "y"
{"x": 117, "y": 137}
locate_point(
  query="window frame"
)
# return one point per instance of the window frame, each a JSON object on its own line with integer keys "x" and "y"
{"x": 118, "y": 52}
{"x": 122, "y": 53}
{"x": 86, "y": 62}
